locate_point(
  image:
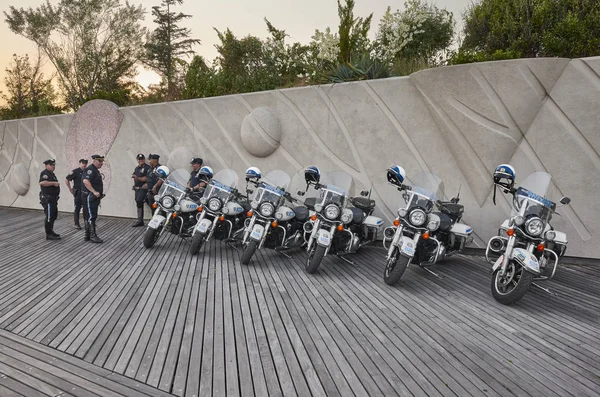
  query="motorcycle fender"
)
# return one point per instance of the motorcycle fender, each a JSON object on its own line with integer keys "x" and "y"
{"x": 324, "y": 238}
{"x": 203, "y": 226}
{"x": 526, "y": 259}
{"x": 156, "y": 221}
{"x": 257, "y": 232}
{"x": 407, "y": 246}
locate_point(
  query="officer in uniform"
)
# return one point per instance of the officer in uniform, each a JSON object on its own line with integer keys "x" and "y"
{"x": 75, "y": 177}
{"x": 140, "y": 177}
{"x": 93, "y": 188}
{"x": 196, "y": 181}
{"x": 50, "y": 190}
{"x": 154, "y": 180}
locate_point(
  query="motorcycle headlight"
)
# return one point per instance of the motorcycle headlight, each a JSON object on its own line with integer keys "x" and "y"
{"x": 332, "y": 212}
{"x": 266, "y": 209}
{"x": 214, "y": 204}
{"x": 177, "y": 207}
{"x": 318, "y": 207}
{"x": 434, "y": 222}
{"x": 167, "y": 201}
{"x": 519, "y": 220}
{"x": 402, "y": 212}
{"x": 418, "y": 217}
{"x": 346, "y": 216}
{"x": 550, "y": 235}
{"x": 203, "y": 200}
{"x": 534, "y": 226}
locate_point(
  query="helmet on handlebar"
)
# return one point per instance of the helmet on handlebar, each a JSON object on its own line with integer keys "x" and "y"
{"x": 505, "y": 171}
{"x": 163, "y": 171}
{"x": 312, "y": 174}
{"x": 396, "y": 175}
{"x": 205, "y": 173}
{"x": 253, "y": 173}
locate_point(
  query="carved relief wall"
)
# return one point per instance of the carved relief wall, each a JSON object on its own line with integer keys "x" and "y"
{"x": 458, "y": 122}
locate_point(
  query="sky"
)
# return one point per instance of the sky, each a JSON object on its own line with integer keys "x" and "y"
{"x": 243, "y": 17}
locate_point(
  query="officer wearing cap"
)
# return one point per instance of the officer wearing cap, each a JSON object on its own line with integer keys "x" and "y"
{"x": 75, "y": 177}
{"x": 93, "y": 188}
{"x": 154, "y": 180}
{"x": 196, "y": 182}
{"x": 50, "y": 190}
{"x": 140, "y": 187}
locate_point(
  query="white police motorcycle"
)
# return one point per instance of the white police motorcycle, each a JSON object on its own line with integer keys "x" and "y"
{"x": 528, "y": 245}
{"x": 174, "y": 210}
{"x": 341, "y": 224}
{"x": 222, "y": 211}
{"x": 420, "y": 235}
{"x": 272, "y": 223}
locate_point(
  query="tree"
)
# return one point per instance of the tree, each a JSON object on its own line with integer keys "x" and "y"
{"x": 419, "y": 33}
{"x": 29, "y": 93}
{"x": 168, "y": 43}
{"x": 352, "y": 32}
{"x": 93, "y": 44}
{"x": 533, "y": 28}
{"x": 200, "y": 80}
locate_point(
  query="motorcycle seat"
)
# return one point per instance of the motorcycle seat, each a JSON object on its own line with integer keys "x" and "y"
{"x": 310, "y": 203}
{"x": 245, "y": 205}
{"x": 445, "y": 222}
{"x": 357, "y": 215}
{"x": 363, "y": 203}
{"x": 452, "y": 208}
{"x": 301, "y": 213}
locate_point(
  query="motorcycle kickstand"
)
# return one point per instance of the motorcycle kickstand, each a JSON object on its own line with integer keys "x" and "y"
{"x": 229, "y": 243}
{"x": 284, "y": 254}
{"x": 346, "y": 260}
{"x": 432, "y": 272}
{"x": 544, "y": 289}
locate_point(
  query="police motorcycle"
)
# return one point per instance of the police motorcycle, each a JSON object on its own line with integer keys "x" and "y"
{"x": 176, "y": 206}
{"x": 223, "y": 211}
{"x": 272, "y": 222}
{"x": 528, "y": 245}
{"x": 420, "y": 235}
{"x": 341, "y": 224}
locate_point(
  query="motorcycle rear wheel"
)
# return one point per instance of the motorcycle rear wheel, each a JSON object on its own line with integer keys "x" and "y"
{"x": 511, "y": 287}
{"x": 151, "y": 237}
{"x": 197, "y": 243}
{"x": 249, "y": 252}
{"x": 314, "y": 259}
{"x": 395, "y": 267}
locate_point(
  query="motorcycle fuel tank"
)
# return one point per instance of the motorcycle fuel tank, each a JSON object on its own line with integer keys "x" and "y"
{"x": 284, "y": 213}
{"x": 187, "y": 206}
{"x": 232, "y": 208}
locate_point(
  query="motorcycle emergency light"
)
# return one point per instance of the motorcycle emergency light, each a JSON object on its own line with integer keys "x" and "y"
{"x": 396, "y": 222}
{"x": 426, "y": 236}
{"x": 200, "y": 208}
{"x": 154, "y": 205}
{"x": 274, "y": 224}
{"x": 541, "y": 247}
{"x": 340, "y": 228}
{"x": 510, "y": 232}
{"x": 221, "y": 218}
{"x": 249, "y": 214}
{"x": 313, "y": 218}
{"x": 174, "y": 215}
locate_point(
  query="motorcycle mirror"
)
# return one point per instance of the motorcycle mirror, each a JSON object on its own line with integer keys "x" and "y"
{"x": 300, "y": 193}
{"x": 364, "y": 193}
{"x": 565, "y": 200}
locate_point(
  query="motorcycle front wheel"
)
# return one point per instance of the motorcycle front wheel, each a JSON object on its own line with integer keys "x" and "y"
{"x": 395, "y": 267}
{"x": 315, "y": 256}
{"x": 197, "y": 243}
{"x": 151, "y": 236}
{"x": 511, "y": 287}
{"x": 249, "y": 252}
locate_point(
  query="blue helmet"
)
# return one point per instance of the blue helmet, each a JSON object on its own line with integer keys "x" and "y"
{"x": 163, "y": 171}
{"x": 505, "y": 171}
{"x": 312, "y": 174}
{"x": 253, "y": 173}
{"x": 396, "y": 175}
{"x": 206, "y": 171}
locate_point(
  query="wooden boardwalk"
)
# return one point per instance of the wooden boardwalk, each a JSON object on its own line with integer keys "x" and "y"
{"x": 118, "y": 319}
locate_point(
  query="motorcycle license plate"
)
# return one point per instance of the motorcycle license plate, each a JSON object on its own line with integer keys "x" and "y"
{"x": 203, "y": 226}
{"x": 155, "y": 222}
{"x": 408, "y": 248}
{"x": 324, "y": 239}
{"x": 257, "y": 233}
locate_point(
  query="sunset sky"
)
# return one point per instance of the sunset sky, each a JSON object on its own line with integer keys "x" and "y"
{"x": 243, "y": 17}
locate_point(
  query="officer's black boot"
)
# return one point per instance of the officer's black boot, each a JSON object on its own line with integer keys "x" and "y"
{"x": 93, "y": 236}
{"x": 49, "y": 235}
{"x": 76, "y": 219}
{"x": 52, "y": 230}
{"x": 88, "y": 228}
{"x": 140, "y": 221}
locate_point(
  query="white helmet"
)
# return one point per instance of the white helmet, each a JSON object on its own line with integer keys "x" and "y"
{"x": 253, "y": 173}
{"x": 163, "y": 171}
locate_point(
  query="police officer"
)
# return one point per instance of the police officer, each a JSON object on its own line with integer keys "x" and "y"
{"x": 75, "y": 177}
{"x": 91, "y": 196}
{"x": 50, "y": 190}
{"x": 196, "y": 181}
{"x": 154, "y": 180}
{"x": 140, "y": 177}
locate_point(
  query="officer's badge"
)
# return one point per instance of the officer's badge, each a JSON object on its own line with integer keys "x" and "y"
{"x": 89, "y": 172}
{"x": 45, "y": 176}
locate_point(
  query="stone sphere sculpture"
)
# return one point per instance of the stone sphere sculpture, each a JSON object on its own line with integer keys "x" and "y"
{"x": 20, "y": 180}
{"x": 180, "y": 158}
{"x": 261, "y": 132}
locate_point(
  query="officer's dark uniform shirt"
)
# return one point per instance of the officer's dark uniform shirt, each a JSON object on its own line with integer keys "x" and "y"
{"x": 75, "y": 176}
{"x": 141, "y": 172}
{"x": 49, "y": 176}
{"x": 92, "y": 174}
{"x": 195, "y": 178}
{"x": 153, "y": 177}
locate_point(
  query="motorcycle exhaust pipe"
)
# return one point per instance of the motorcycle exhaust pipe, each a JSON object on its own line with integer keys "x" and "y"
{"x": 497, "y": 244}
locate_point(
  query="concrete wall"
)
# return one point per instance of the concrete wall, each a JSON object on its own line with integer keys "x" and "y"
{"x": 458, "y": 122}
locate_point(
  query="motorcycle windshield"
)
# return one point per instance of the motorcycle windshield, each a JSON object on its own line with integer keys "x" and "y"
{"x": 277, "y": 179}
{"x": 227, "y": 177}
{"x": 217, "y": 189}
{"x": 336, "y": 188}
{"x": 534, "y": 193}
{"x": 426, "y": 188}
{"x": 178, "y": 178}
